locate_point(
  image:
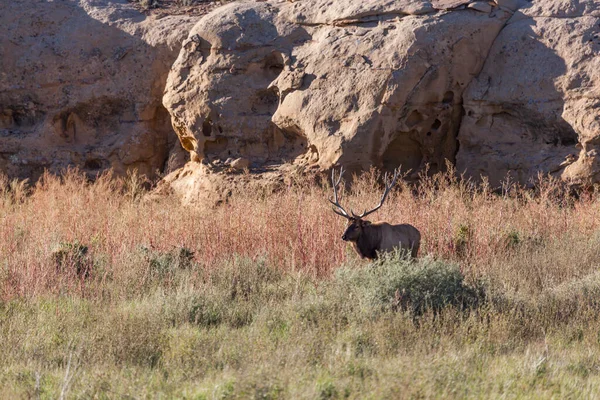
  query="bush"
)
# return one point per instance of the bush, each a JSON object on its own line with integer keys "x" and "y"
{"x": 513, "y": 239}
{"x": 570, "y": 297}
{"x": 397, "y": 283}
{"x": 250, "y": 280}
{"x": 72, "y": 256}
{"x": 163, "y": 263}
{"x": 237, "y": 292}
{"x": 462, "y": 239}
{"x": 206, "y": 312}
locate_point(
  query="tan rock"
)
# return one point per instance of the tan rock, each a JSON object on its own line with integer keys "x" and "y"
{"x": 512, "y": 5}
{"x": 482, "y": 6}
{"x": 536, "y": 102}
{"x": 240, "y": 164}
{"x": 81, "y": 84}
{"x": 448, "y": 4}
{"x": 198, "y": 185}
{"x": 561, "y": 9}
{"x": 295, "y": 86}
{"x": 319, "y": 83}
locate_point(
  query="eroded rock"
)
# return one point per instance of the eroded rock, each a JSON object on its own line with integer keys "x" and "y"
{"x": 81, "y": 84}
{"x": 319, "y": 83}
{"x": 482, "y": 6}
{"x": 287, "y": 86}
{"x": 535, "y": 107}
{"x": 205, "y": 186}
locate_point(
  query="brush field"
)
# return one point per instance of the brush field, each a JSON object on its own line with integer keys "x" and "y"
{"x": 107, "y": 294}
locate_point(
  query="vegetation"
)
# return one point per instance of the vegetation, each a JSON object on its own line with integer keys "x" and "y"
{"x": 107, "y": 294}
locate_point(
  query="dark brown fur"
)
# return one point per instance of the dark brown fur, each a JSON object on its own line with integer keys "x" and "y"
{"x": 369, "y": 239}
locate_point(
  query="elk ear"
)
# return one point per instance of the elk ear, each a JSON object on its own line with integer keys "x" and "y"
{"x": 366, "y": 223}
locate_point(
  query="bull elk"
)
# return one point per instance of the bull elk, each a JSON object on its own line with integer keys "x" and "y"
{"x": 370, "y": 238}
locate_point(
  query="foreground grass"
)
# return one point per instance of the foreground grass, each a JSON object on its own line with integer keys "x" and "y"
{"x": 103, "y": 295}
{"x": 254, "y": 332}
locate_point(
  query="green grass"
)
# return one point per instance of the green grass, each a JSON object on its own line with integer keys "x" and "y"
{"x": 390, "y": 329}
{"x": 106, "y": 293}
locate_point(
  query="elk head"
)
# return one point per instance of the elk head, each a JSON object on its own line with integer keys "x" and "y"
{"x": 356, "y": 223}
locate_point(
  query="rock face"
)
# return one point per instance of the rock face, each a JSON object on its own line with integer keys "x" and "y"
{"x": 505, "y": 87}
{"x": 81, "y": 84}
{"x": 535, "y": 107}
{"x": 500, "y": 88}
{"x": 358, "y": 83}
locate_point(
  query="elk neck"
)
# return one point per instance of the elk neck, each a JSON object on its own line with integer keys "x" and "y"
{"x": 368, "y": 242}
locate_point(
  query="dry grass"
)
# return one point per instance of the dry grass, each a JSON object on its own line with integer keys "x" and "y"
{"x": 520, "y": 239}
{"x": 261, "y": 298}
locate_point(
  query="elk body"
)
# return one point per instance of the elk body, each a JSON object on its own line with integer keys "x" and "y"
{"x": 371, "y": 238}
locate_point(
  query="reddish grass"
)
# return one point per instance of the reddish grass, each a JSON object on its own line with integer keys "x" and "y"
{"x": 500, "y": 237}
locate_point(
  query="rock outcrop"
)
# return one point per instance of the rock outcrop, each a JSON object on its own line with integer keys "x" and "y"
{"x": 505, "y": 87}
{"x": 500, "y": 88}
{"x": 81, "y": 84}
{"x": 200, "y": 185}
{"x": 535, "y": 107}
{"x": 319, "y": 83}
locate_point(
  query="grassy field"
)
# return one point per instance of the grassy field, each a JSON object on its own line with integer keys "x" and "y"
{"x": 104, "y": 294}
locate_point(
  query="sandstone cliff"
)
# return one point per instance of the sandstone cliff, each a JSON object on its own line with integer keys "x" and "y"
{"x": 81, "y": 85}
{"x": 499, "y": 88}
{"x": 535, "y": 107}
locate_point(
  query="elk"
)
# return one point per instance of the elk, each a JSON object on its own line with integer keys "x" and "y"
{"x": 370, "y": 238}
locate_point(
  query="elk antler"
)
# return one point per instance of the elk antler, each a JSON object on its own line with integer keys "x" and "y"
{"x": 335, "y": 201}
{"x": 388, "y": 187}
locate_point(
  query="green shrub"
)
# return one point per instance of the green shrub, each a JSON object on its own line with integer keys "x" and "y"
{"x": 462, "y": 239}
{"x": 237, "y": 292}
{"x": 206, "y": 312}
{"x": 396, "y": 283}
{"x": 162, "y": 263}
{"x": 327, "y": 390}
{"x": 245, "y": 279}
{"x": 72, "y": 256}
{"x": 570, "y": 297}
{"x": 513, "y": 239}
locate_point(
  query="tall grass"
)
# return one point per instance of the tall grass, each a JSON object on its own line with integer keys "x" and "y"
{"x": 518, "y": 238}
{"x": 107, "y": 293}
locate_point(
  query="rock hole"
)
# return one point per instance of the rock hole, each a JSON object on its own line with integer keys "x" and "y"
{"x": 307, "y": 80}
{"x": 414, "y": 118}
{"x": 448, "y": 97}
{"x": 403, "y": 151}
{"x": 435, "y": 126}
{"x": 94, "y": 164}
{"x": 428, "y": 133}
{"x": 273, "y": 64}
{"x": 24, "y": 119}
{"x": 207, "y": 127}
{"x": 288, "y": 144}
